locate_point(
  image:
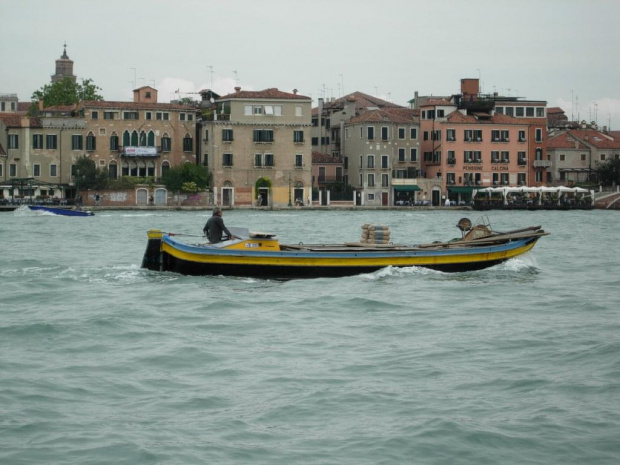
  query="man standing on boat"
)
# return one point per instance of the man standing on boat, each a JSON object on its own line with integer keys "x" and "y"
{"x": 215, "y": 226}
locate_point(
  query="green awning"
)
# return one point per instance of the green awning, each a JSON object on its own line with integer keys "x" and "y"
{"x": 406, "y": 188}
{"x": 462, "y": 189}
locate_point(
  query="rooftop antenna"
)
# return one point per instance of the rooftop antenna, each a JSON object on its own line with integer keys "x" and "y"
{"x": 572, "y": 105}
{"x": 236, "y": 78}
{"x": 135, "y": 79}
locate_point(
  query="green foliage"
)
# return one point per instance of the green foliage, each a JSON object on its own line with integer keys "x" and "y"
{"x": 176, "y": 177}
{"x": 261, "y": 182}
{"x": 608, "y": 172}
{"x": 66, "y": 92}
{"x": 189, "y": 187}
{"x": 126, "y": 182}
{"x": 189, "y": 101}
{"x": 88, "y": 176}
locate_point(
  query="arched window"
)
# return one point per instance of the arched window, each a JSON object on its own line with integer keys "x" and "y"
{"x": 142, "y": 169}
{"x": 114, "y": 142}
{"x": 188, "y": 145}
{"x": 142, "y": 139}
{"x": 126, "y": 139}
{"x": 91, "y": 142}
{"x": 166, "y": 143}
{"x": 151, "y": 139}
{"x": 165, "y": 166}
{"x": 134, "y": 139}
{"x": 125, "y": 169}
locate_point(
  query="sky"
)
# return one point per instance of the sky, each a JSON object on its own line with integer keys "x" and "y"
{"x": 562, "y": 51}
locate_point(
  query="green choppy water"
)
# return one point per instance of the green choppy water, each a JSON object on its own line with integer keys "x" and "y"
{"x": 102, "y": 362}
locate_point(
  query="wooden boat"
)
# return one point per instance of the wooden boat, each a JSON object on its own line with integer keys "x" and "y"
{"x": 260, "y": 255}
{"x": 61, "y": 211}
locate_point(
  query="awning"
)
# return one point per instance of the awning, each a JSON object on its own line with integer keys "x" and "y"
{"x": 462, "y": 189}
{"x": 407, "y": 188}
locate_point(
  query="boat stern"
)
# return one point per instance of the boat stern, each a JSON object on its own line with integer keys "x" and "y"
{"x": 152, "y": 259}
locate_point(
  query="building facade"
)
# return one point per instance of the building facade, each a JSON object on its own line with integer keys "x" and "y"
{"x": 257, "y": 146}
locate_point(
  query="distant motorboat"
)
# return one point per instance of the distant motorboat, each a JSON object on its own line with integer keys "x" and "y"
{"x": 61, "y": 211}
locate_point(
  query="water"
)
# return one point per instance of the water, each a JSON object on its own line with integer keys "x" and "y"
{"x": 102, "y": 362}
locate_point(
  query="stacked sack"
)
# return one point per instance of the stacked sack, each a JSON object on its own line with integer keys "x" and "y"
{"x": 375, "y": 234}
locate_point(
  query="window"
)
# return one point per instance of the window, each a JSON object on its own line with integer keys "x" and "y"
{"x": 603, "y": 157}
{"x": 51, "y": 142}
{"x": 53, "y": 170}
{"x": 162, "y": 116}
{"x": 425, "y": 135}
{"x": 227, "y": 159}
{"x": 583, "y": 157}
{"x": 521, "y": 158}
{"x": 450, "y": 135}
{"x": 188, "y": 143}
{"x": 36, "y": 170}
{"x": 539, "y": 153}
{"x": 77, "y": 142}
{"x": 540, "y": 112}
{"x": 505, "y": 156}
{"x": 94, "y": 114}
{"x": 37, "y": 141}
{"x": 562, "y": 157}
{"x": 109, "y": 115}
{"x": 12, "y": 170}
{"x": 385, "y": 160}
{"x": 495, "y": 179}
{"x": 298, "y": 137}
{"x": 477, "y": 156}
{"x": 263, "y": 135}
{"x": 510, "y": 111}
{"x": 371, "y": 197}
{"x": 91, "y": 142}
{"x": 371, "y": 161}
{"x": 385, "y": 180}
{"x": 468, "y": 156}
{"x": 519, "y": 111}
{"x": 401, "y": 133}
{"x": 150, "y": 140}
{"x": 505, "y": 179}
{"x": 413, "y": 155}
{"x": 181, "y": 116}
{"x": 499, "y": 110}
{"x": 370, "y": 132}
{"x": 321, "y": 174}
{"x": 413, "y": 133}
{"x": 539, "y": 176}
{"x": 468, "y": 135}
{"x": 298, "y": 111}
{"x": 130, "y": 115}
{"x": 148, "y": 115}
{"x": 114, "y": 143}
{"x": 529, "y": 112}
{"x": 450, "y": 178}
{"x": 13, "y": 141}
{"x": 227, "y": 135}
{"x": 166, "y": 143}
{"x": 451, "y": 157}
{"x": 339, "y": 173}
{"x": 521, "y": 179}
{"x": 478, "y": 135}
{"x": 299, "y": 161}
{"x": 539, "y": 135}
{"x": 495, "y": 135}
{"x": 401, "y": 154}
{"x": 269, "y": 159}
{"x": 385, "y": 133}
{"x": 371, "y": 180}
{"x": 521, "y": 136}
{"x": 258, "y": 158}
{"x": 504, "y": 136}
{"x": 495, "y": 156}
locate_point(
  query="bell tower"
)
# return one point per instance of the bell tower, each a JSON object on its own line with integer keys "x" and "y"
{"x": 64, "y": 67}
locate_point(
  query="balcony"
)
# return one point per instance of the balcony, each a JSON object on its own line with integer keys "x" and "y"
{"x": 133, "y": 151}
{"x": 542, "y": 163}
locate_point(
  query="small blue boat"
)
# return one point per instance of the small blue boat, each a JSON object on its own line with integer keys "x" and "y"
{"x": 61, "y": 211}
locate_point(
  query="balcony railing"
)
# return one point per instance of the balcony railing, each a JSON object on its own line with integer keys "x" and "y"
{"x": 542, "y": 163}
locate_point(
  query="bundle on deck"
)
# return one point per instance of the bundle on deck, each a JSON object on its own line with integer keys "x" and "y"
{"x": 375, "y": 234}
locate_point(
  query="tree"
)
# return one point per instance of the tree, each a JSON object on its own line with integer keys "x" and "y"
{"x": 188, "y": 174}
{"x": 608, "y": 172}
{"x": 88, "y": 175}
{"x": 66, "y": 92}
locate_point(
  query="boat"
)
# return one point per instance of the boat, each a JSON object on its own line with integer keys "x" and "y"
{"x": 260, "y": 255}
{"x": 61, "y": 211}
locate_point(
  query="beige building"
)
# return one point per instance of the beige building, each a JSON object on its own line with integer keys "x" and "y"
{"x": 257, "y": 147}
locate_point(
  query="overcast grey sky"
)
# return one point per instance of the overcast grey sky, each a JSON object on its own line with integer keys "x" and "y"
{"x": 561, "y": 51}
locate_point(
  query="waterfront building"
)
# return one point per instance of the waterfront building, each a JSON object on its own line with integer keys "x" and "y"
{"x": 575, "y": 153}
{"x": 473, "y": 141}
{"x": 256, "y": 144}
{"x": 328, "y": 177}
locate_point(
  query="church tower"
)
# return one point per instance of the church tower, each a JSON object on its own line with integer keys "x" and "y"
{"x": 64, "y": 68}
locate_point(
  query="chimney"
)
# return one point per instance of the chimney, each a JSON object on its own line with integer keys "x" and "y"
{"x": 40, "y": 104}
{"x": 295, "y": 91}
{"x": 25, "y": 121}
{"x": 237, "y": 89}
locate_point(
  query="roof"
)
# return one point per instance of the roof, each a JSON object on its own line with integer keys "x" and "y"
{"x": 565, "y": 141}
{"x": 595, "y": 138}
{"x": 14, "y": 120}
{"x": 324, "y": 158}
{"x": 104, "y": 104}
{"x": 272, "y": 94}
{"x": 480, "y": 118}
{"x": 386, "y": 115}
{"x": 435, "y": 102}
{"x": 361, "y": 100}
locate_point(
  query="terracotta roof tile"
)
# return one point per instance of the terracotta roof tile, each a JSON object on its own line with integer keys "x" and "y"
{"x": 271, "y": 93}
{"x": 324, "y": 158}
{"x": 565, "y": 141}
{"x": 595, "y": 138}
{"x": 103, "y": 104}
{"x": 387, "y": 115}
{"x": 14, "y": 120}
